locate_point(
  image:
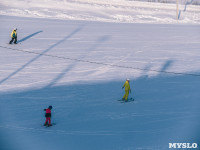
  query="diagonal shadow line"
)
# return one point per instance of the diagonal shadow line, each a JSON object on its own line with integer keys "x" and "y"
{"x": 41, "y": 54}
{"x": 25, "y": 38}
{"x": 166, "y": 66}
{"x": 179, "y": 14}
{"x": 188, "y": 3}
{"x": 68, "y": 68}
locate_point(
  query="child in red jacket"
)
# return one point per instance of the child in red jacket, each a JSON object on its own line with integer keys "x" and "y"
{"x": 48, "y": 116}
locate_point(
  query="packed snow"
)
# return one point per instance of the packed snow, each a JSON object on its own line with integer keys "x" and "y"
{"x": 79, "y": 63}
{"x": 121, "y": 11}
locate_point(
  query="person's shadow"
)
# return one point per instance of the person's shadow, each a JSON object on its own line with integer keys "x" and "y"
{"x": 28, "y": 37}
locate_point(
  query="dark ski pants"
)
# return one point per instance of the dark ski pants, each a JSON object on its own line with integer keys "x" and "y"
{"x": 13, "y": 39}
{"x": 48, "y": 119}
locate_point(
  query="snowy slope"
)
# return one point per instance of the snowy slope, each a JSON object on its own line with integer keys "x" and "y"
{"x": 79, "y": 67}
{"x": 130, "y": 46}
{"x": 76, "y": 55}
{"x": 123, "y": 11}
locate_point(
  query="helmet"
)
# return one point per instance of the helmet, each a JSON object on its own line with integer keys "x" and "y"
{"x": 15, "y": 29}
{"x": 50, "y": 107}
{"x": 127, "y": 79}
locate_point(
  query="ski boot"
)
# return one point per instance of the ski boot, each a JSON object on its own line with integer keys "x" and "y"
{"x": 46, "y": 124}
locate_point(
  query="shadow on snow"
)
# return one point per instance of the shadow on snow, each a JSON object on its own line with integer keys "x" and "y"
{"x": 165, "y": 110}
{"x": 29, "y": 36}
{"x": 42, "y": 53}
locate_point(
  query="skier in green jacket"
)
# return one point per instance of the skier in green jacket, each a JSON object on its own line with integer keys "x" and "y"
{"x": 127, "y": 89}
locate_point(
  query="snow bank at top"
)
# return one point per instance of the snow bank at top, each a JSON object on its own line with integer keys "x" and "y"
{"x": 121, "y": 11}
{"x": 187, "y": 2}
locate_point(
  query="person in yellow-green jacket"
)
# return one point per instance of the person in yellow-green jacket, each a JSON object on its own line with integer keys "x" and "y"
{"x": 14, "y": 36}
{"x": 127, "y": 89}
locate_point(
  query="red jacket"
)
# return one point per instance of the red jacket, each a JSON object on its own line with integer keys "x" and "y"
{"x": 48, "y": 112}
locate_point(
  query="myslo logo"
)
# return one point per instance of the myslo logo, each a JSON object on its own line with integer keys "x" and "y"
{"x": 183, "y": 145}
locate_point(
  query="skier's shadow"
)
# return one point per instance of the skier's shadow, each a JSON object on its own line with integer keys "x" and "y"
{"x": 29, "y": 36}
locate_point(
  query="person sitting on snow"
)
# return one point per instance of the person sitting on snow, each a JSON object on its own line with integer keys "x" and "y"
{"x": 14, "y": 36}
{"x": 127, "y": 89}
{"x": 48, "y": 116}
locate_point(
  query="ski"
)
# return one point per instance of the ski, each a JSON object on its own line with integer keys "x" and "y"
{"x": 125, "y": 101}
{"x": 50, "y": 125}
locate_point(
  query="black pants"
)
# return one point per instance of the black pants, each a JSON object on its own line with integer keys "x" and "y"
{"x": 13, "y": 39}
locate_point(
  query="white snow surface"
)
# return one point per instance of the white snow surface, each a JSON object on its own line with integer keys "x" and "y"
{"x": 123, "y": 11}
{"x": 79, "y": 65}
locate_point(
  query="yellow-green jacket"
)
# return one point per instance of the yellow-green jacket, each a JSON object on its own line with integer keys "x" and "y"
{"x": 13, "y": 34}
{"x": 127, "y": 86}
